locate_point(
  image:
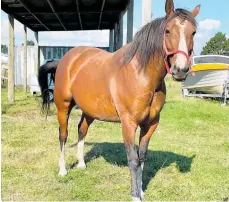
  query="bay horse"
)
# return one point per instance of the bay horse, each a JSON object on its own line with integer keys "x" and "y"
{"x": 126, "y": 86}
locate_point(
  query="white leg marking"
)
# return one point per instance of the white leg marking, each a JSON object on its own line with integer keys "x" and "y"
{"x": 181, "y": 60}
{"x": 136, "y": 199}
{"x": 139, "y": 180}
{"x": 80, "y": 154}
{"x": 62, "y": 170}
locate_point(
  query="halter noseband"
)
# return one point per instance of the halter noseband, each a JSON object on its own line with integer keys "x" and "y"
{"x": 168, "y": 53}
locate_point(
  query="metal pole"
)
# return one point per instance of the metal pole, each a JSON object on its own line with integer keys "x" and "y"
{"x": 130, "y": 20}
{"x": 11, "y": 60}
{"x": 25, "y": 60}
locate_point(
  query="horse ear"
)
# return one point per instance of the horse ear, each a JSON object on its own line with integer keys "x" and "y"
{"x": 169, "y": 7}
{"x": 196, "y": 10}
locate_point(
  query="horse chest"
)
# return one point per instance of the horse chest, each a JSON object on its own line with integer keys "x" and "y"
{"x": 141, "y": 106}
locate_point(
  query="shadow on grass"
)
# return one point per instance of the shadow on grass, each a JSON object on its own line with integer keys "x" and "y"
{"x": 115, "y": 153}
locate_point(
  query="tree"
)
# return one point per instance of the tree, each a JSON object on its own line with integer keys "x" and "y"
{"x": 4, "y": 49}
{"x": 218, "y": 44}
{"x": 29, "y": 43}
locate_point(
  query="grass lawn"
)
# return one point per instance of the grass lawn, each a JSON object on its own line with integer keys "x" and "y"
{"x": 187, "y": 157}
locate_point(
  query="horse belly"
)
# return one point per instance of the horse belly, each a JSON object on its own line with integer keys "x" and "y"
{"x": 92, "y": 95}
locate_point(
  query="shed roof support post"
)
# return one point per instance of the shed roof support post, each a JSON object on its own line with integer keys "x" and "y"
{"x": 146, "y": 11}
{"x": 11, "y": 60}
{"x": 36, "y": 55}
{"x": 25, "y": 60}
{"x": 111, "y": 40}
{"x": 120, "y": 31}
{"x": 130, "y": 21}
{"x": 115, "y": 37}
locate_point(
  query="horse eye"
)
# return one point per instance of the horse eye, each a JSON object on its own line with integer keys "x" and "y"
{"x": 167, "y": 31}
{"x": 193, "y": 33}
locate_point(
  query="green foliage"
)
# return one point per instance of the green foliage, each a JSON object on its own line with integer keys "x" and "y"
{"x": 4, "y": 49}
{"x": 218, "y": 44}
{"x": 29, "y": 43}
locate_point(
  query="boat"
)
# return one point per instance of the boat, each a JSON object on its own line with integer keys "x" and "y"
{"x": 4, "y": 58}
{"x": 210, "y": 77}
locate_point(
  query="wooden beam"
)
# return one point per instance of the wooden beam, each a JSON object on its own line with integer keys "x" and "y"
{"x": 9, "y": 1}
{"x": 15, "y": 6}
{"x": 130, "y": 21}
{"x": 25, "y": 60}
{"x": 11, "y": 60}
{"x": 51, "y": 5}
{"x": 115, "y": 36}
{"x": 120, "y": 31}
{"x": 100, "y": 17}
{"x": 26, "y": 7}
{"x": 70, "y": 12}
{"x": 73, "y": 23}
{"x": 78, "y": 11}
{"x": 36, "y": 58}
{"x": 111, "y": 40}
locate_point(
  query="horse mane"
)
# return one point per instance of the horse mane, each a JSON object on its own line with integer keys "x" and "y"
{"x": 148, "y": 41}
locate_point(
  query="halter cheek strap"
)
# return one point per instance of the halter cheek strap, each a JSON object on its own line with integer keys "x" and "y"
{"x": 168, "y": 53}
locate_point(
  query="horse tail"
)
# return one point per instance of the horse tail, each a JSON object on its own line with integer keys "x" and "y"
{"x": 44, "y": 70}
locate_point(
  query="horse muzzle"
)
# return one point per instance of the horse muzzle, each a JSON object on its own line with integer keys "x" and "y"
{"x": 179, "y": 74}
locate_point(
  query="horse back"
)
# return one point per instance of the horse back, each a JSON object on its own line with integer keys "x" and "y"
{"x": 83, "y": 74}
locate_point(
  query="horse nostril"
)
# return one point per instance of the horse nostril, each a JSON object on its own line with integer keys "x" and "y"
{"x": 175, "y": 70}
{"x": 186, "y": 69}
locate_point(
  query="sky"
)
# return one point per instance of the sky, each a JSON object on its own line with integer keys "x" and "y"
{"x": 213, "y": 18}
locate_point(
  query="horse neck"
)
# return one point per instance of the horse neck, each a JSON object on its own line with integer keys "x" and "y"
{"x": 155, "y": 71}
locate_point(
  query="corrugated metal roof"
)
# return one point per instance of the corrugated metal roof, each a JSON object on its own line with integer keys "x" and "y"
{"x": 61, "y": 15}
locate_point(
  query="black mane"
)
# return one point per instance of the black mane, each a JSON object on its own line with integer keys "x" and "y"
{"x": 148, "y": 41}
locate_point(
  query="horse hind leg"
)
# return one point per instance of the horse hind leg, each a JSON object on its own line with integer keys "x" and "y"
{"x": 63, "y": 115}
{"x": 83, "y": 126}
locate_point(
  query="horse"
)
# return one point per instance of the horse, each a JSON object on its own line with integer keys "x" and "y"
{"x": 126, "y": 86}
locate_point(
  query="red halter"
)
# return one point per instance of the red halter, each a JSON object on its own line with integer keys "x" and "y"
{"x": 168, "y": 53}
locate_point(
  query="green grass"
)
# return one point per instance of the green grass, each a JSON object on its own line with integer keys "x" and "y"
{"x": 187, "y": 158}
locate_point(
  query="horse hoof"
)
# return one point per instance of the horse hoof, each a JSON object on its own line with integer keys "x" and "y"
{"x": 62, "y": 172}
{"x": 136, "y": 199}
{"x": 142, "y": 196}
{"x": 81, "y": 165}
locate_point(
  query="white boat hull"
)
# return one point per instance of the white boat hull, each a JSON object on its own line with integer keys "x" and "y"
{"x": 208, "y": 81}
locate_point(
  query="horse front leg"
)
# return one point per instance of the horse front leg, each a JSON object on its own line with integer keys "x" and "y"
{"x": 146, "y": 132}
{"x": 128, "y": 131}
